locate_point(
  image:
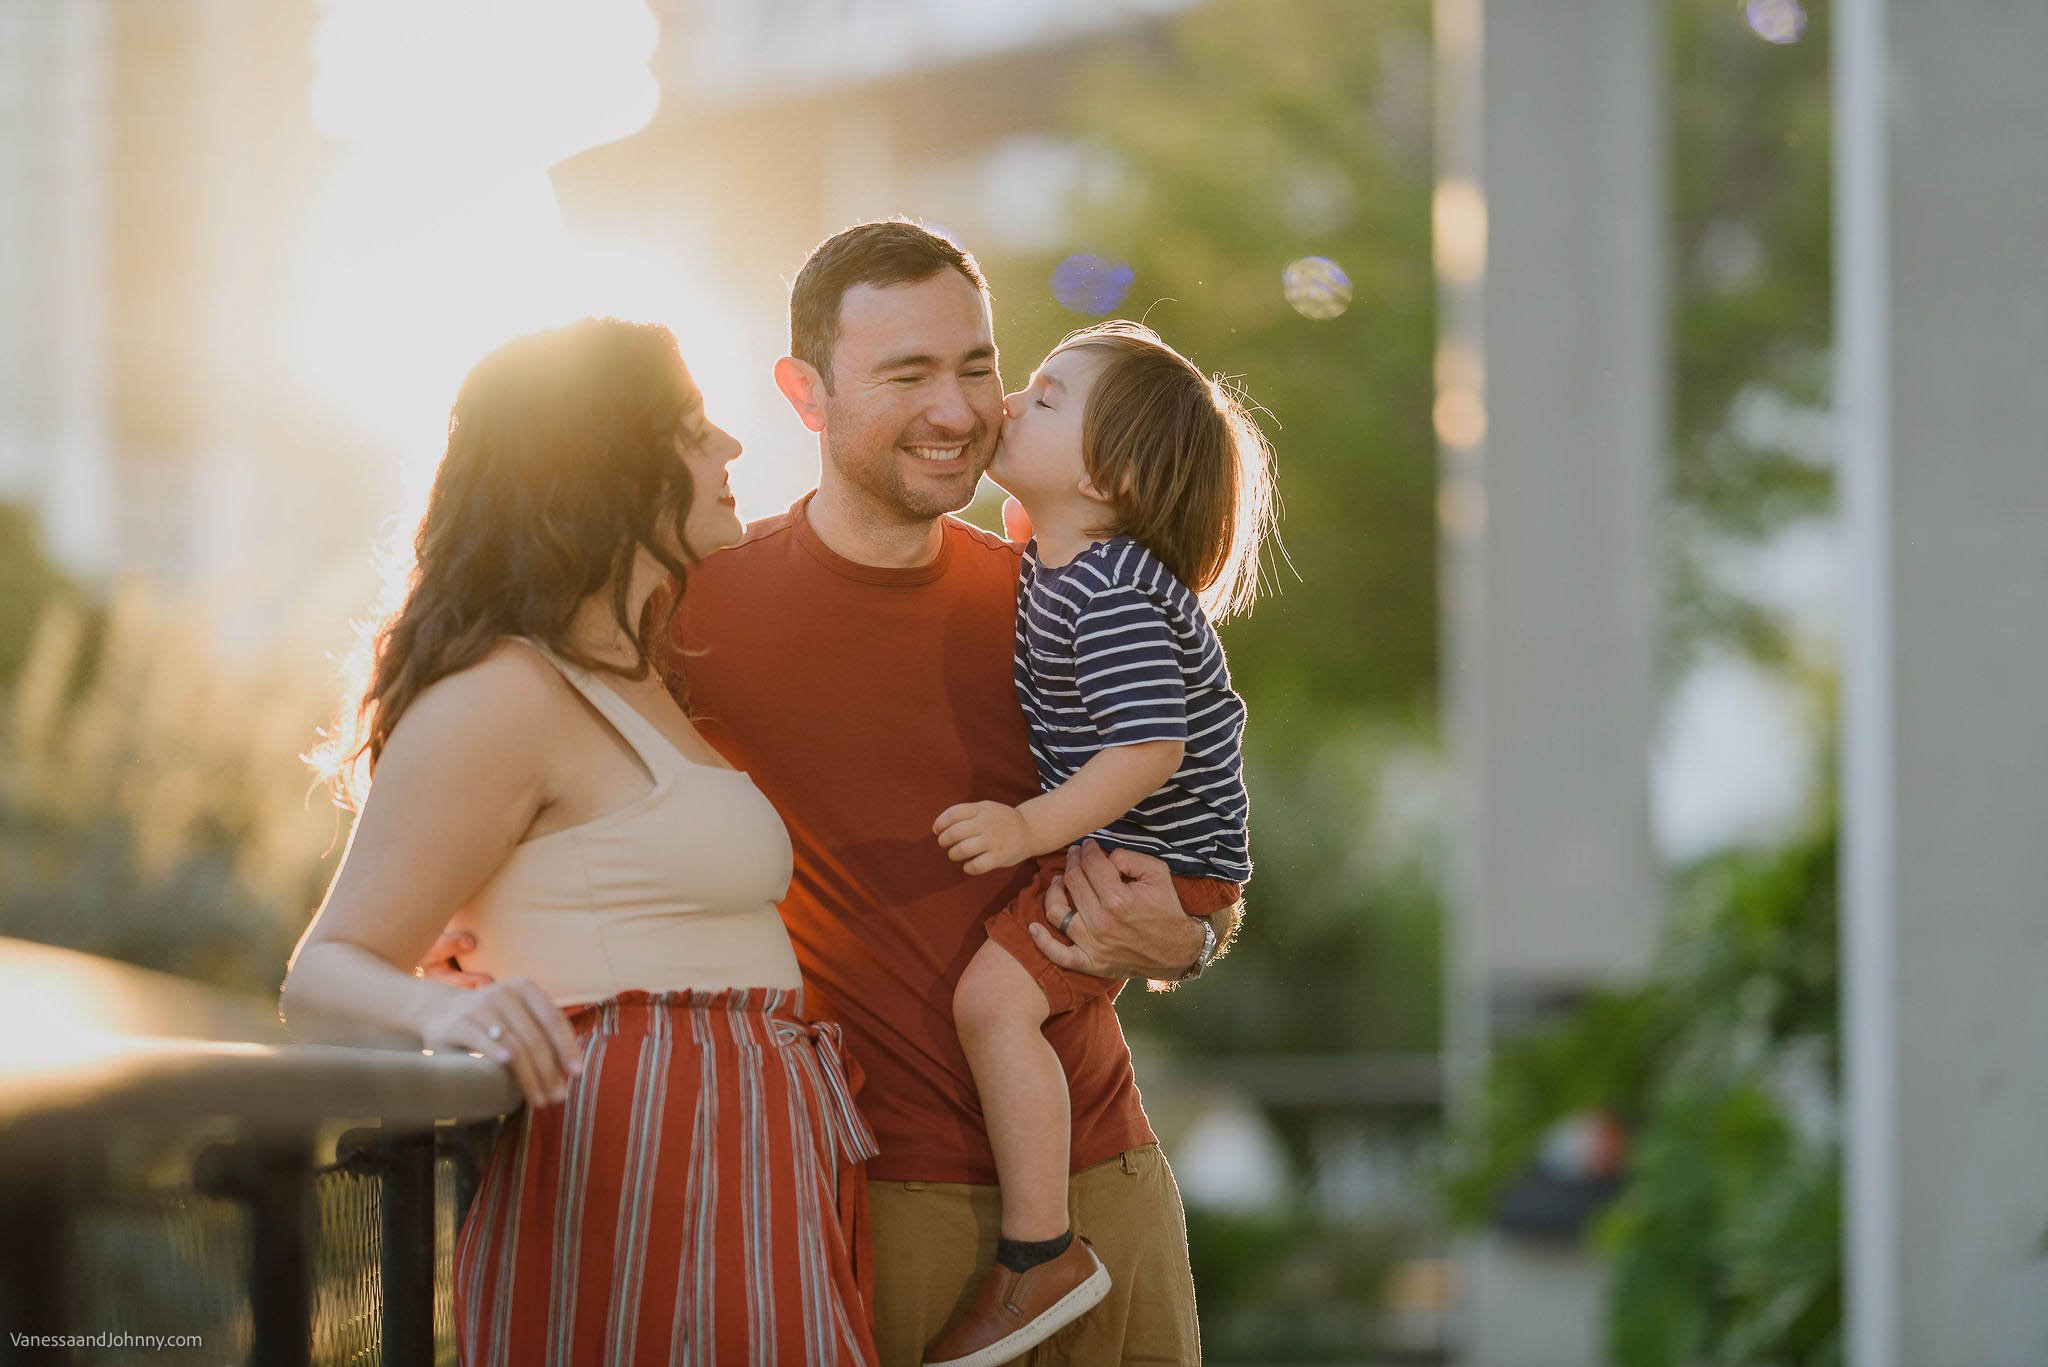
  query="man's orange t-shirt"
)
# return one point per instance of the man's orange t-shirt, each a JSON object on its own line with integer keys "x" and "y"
{"x": 864, "y": 702}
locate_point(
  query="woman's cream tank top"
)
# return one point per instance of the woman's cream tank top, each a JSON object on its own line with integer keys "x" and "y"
{"x": 677, "y": 889}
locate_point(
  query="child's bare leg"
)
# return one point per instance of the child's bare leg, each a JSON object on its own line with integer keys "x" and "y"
{"x": 1044, "y": 1276}
{"x": 1000, "y": 1013}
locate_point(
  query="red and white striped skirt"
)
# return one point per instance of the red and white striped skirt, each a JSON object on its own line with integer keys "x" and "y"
{"x": 697, "y": 1199}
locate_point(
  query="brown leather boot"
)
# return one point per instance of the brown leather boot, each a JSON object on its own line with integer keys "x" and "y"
{"x": 1014, "y": 1311}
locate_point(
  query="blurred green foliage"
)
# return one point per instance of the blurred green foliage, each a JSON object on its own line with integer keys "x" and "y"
{"x": 1250, "y": 135}
{"x": 151, "y": 808}
{"x": 1752, "y": 317}
{"x": 1291, "y": 1284}
{"x": 1723, "y": 1068}
{"x": 32, "y": 583}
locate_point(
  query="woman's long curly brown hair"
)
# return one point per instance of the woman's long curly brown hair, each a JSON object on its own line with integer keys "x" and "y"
{"x": 561, "y": 467}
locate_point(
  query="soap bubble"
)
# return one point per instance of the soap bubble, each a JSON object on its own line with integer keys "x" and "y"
{"x": 1776, "y": 21}
{"x": 1316, "y": 286}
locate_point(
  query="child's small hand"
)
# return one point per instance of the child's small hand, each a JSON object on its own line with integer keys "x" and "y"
{"x": 984, "y": 835}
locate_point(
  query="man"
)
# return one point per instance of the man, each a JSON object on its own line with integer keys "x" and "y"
{"x": 854, "y": 655}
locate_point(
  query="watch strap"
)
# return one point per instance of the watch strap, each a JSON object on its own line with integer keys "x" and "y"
{"x": 1208, "y": 950}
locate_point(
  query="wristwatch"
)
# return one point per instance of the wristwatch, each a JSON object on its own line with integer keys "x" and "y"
{"x": 1208, "y": 950}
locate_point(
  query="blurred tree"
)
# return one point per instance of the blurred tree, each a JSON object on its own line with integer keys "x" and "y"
{"x": 151, "y": 808}
{"x": 1751, "y": 218}
{"x": 1249, "y": 136}
{"x": 31, "y": 583}
{"x": 1255, "y": 134}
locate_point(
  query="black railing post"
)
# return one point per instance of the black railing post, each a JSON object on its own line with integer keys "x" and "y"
{"x": 407, "y": 1163}
{"x": 35, "y": 1248}
{"x": 274, "y": 1176}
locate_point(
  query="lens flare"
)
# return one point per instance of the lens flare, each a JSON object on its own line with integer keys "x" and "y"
{"x": 1091, "y": 284}
{"x": 1316, "y": 287}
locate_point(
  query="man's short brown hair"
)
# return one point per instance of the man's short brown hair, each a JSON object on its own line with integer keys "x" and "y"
{"x": 891, "y": 251}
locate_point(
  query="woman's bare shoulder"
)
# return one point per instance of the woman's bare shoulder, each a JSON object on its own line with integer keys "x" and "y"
{"x": 512, "y": 695}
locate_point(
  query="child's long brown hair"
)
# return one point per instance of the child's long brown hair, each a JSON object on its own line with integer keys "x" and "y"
{"x": 1189, "y": 473}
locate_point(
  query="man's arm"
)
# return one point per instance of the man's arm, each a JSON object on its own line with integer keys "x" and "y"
{"x": 1127, "y": 919}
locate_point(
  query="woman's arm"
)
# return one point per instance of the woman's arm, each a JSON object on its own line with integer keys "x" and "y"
{"x": 457, "y": 787}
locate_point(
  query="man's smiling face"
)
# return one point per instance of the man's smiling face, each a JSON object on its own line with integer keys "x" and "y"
{"x": 916, "y": 402}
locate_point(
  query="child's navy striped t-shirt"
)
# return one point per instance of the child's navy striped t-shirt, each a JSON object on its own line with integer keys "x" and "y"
{"x": 1113, "y": 650}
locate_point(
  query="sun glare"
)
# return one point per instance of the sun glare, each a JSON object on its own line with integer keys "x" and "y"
{"x": 440, "y": 235}
{"x": 525, "y": 83}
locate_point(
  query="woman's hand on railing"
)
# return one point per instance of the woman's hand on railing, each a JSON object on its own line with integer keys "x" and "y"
{"x": 515, "y": 1024}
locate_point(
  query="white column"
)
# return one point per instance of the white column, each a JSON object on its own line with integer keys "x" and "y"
{"x": 1551, "y": 420}
{"x": 1942, "y": 326}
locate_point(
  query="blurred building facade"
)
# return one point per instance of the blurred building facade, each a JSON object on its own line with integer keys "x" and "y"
{"x": 1549, "y": 245}
{"x": 54, "y": 265}
{"x": 160, "y": 169}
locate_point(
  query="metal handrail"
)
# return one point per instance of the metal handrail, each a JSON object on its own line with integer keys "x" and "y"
{"x": 102, "y": 1050}
{"x": 92, "y": 1037}
{"x": 165, "y": 1080}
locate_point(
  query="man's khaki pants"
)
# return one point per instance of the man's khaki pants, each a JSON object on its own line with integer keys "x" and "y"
{"x": 933, "y": 1241}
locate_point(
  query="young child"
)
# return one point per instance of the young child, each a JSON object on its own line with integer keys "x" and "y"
{"x": 1146, "y": 484}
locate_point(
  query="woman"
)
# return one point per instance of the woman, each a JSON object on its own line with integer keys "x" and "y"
{"x": 680, "y": 1184}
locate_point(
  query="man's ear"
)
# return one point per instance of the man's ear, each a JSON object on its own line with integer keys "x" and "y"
{"x": 804, "y": 387}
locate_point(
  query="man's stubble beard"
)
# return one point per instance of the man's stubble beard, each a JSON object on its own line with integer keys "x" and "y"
{"x": 883, "y": 483}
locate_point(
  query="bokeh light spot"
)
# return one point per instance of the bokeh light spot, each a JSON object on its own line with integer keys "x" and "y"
{"x": 1316, "y": 287}
{"x": 1776, "y": 21}
{"x": 1458, "y": 214}
{"x": 1091, "y": 284}
{"x": 1459, "y": 415}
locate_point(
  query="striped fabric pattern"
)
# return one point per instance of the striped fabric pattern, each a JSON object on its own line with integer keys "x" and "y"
{"x": 1113, "y": 650}
{"x": 697, "y": 1200}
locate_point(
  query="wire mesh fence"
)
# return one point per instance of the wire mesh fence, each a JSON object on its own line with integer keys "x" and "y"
{"x": 166, "y": 1271}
